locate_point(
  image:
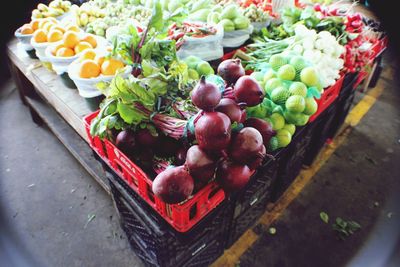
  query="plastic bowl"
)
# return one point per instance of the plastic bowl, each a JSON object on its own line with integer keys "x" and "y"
{"x": 25, "y": 42}
{"x": 87, "y": 86}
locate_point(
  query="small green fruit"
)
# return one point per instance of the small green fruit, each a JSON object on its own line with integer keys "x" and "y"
{"x": 277, "y": 61}
{"x": 277, "y": 120}
{"x": 284, "y": 138}
{"x": 309, "y": 76}
{"x": 192, "y": 61}
{"x": 193, "y": 74}
{"x": 298, "y": 88}
{"x": 295, "y": 103}
{"x": 311, "y": 106}
{"x": 290, "y": 127}
{"x": 269, "y": 75}
{"x": 273, "y": 144}
{"x": 280, "y": 95}
{"x": 258, "y": 76}
{"x": 204, "y": 68}
{"x": 286, "y": 72}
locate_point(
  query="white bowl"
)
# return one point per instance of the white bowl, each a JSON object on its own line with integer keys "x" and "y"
{"x": 60, "y": 64}
{"x": 87, "y": 86}
{"x": 24, "y": 39}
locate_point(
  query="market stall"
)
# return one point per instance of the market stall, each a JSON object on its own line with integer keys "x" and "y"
{"x": 193, "y": 115}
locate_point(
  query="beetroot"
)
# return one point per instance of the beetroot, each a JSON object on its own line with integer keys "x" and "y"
{"x": 167, "y": 146}
{"x": 258, "y": 159}
{"x": 200, "y": 165}
{"x": 248, "y": 90}
{"x": 145, "y": 139}
{"x": 125, "y": 141}
{"x": 264, "y": 127}
{"x": 246, "y": 145}
{"x": 180, "y": 156}
{"x": 213, "y": 131}
{"x": 173, "y": 185}
{"x": 230, "y": 70}
{"x": 205, "y": 95}
{"x": 230, "y": 108}
{"x": 232, "y": 176}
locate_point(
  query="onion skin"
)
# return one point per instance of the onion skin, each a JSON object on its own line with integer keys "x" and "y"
{"x": 264, "y": 127}
{"x": 230, "y": 108}
{"x": 248, "y": 90}
{"x": 213, "y": 131}
{"x": 246, "y": 145}
{"x": 200, "y": 165}
{"x": 232, "y": 176}
{"x": 205, "y": 96}
{"x": 173, "y": 185}
{"x": 230, "y": 70}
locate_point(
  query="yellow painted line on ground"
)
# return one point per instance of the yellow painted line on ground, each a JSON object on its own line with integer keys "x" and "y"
{"x": 231, "y": 256}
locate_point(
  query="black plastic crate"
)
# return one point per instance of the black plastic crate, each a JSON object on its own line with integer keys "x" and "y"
{"x": 260, "y": 183}
{"x": 290, "y": 164}
{"x": 159, "y": 243}
{"x": 342, "y": 110}
{"x": 247, "y": 219}
{"x": 348, "y": 83}
{"x": 319, "y": 131}
{"x": 377, "y": 72}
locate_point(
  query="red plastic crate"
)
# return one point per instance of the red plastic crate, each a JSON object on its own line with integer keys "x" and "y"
{"x": 379, "y": 47}
{"x": 183, "y": 216}
{"x": 327, "y": 97}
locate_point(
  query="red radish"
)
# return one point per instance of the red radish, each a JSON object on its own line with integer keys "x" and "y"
{"x": 232, "y": 176}
{"x": 180, "y": 156}
{"x": 125, "y": 141}
{"x": 230, "y": 70}
{"x": 258, "y": 160}
{"x": 247, "y": 90}
{"x": 246, "y": 145}
{"x": 264, "y": 127}
{"x": 213, "y": 131}
{"x": 230, "y": 108}
{"x": 173, "y": 185}
{"x": 200, "y": 165}
{"x": 145, "y": 139}
{"x": 205, "y": 95}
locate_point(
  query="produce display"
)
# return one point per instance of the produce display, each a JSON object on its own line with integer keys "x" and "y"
{"x": 56, "y": 8}
{"x": 185, "y": 121}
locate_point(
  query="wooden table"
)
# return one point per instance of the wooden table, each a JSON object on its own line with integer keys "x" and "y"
{"x": 59, "y": 107}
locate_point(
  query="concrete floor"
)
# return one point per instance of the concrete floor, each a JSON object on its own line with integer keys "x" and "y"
{"x": 47, "y": 198}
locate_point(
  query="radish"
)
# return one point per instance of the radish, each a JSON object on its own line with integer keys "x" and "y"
{"x": 247, "y": 90}
{"x": 200, "y": 165}
{"x": 205, "y": 95}
{"x": 231, "y": 70}
{"x": 173, "y": 185}
{"x": 246, "y": 145}
{"x": 264, "y": 127}
{"x": 232, "y": 176}
{"x": 213, "y": 131}
{"x": 230, "y": 108}
{"x": 125, "y": 141}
